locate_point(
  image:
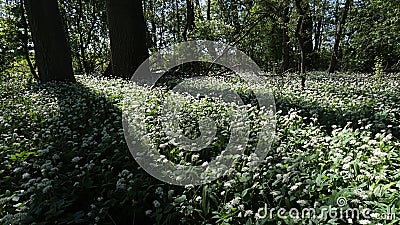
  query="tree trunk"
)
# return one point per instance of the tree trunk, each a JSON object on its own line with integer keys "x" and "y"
{"x": 208, "y": 10}
{"x": 178, "y": 20}
{"x": 317, "y": 36}
{"x": 301, "y": 45}
{"x": 108, "y": 71}
{"x": 189, "y": 19}
{"x": 285, "y": 39}
{"x": 127, "y": 36}
{"x": 317, "y": 41}
{"x": 52, "y": 52}
{"x": 235, "y": 16}
{"x": 82, "y": 47}
{"x": 153, "y": 25}
{"x": 304, "y": 35}
{"x": 25, "y": 40}
{"x": 338, "y": 36}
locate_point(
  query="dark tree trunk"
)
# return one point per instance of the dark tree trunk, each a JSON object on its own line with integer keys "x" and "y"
{"x": 285, "y": 39}
{"x": 208, "y": 10}
{"x": 178, "y": 20}
{"x": 338, "y": 36}
{"x": 25, "y": 40}
{"x": 162, "y": 25}
{"x": 52, "y": 52}
{"x": 189, "y": 18}
{"x": 235, "y": 16}
{"x": 301, "y": 46}
{"x": 304, "y": 37}
{"x": 317, "y": 41}
{"x": 317, "y": 36}
{"x": 108, "y": 71}
{"x": 127, "y": 36}
{"x": 153, "y": 25}
{"x": 82, "y": 47}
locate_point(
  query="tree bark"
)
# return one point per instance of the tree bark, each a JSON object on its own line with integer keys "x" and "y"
{"x": 82, "y": 47}
{"x": 52, "y": 52}
{"x": 108, "y": 71}
{"x": 153, "y": 25}
{"x": 317, "y": 36}
{"x": 127, "y": 36}
{"x": 303, "y": 33}
{"x": 25, "y": 40}
{"x": 208, "y": 10}
{"x": 189, "y": 19}
{"x": 338, "y": 36}
{"x": 285, "y": 39}
{"x": 178, "y": 20}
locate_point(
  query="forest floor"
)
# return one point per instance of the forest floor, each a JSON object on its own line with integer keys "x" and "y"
{"x": 335, "y": 158}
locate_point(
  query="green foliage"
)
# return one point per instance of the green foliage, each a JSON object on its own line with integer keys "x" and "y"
{"x": 371, "y": 31}
{"x": 374, "y": 28}
{"x": 86, "y": 23}
{"x": 11, "y": 38}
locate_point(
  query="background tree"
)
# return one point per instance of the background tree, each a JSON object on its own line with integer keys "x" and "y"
{"x": 338, "y": 36}
{"x": 372, "y": 36}
{"x": 127, "y": 36}
{"x": 303, "y": 32}
{"x": 189, "y": 19}
{"x": 16, "y": 48}
{"x": 86, "y": 22}
{"x": 51, "y": 48}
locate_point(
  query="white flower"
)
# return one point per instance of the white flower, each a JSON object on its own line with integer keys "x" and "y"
{"x": 286, "y": 177}
{"x": 294, "y": 187}
{"x": 195, "y": 157}
{"x": 235, "y": 201}
{"x": 26, "y": 176}
{"x": 302, "y": 202}
{"x": 347, "y": 159}
{"x": 228, "y": 184}
{"x": 76, "y": 159}
{"x": 189, "y": 186}
{"x": 275, "y": 193}
{"x": 364, "y": 222}
{"x": 346, "y": 166}
{"x": 229, "y": 206}
{"x": 123, "y": 173}
{"x": 248, "y": 213}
